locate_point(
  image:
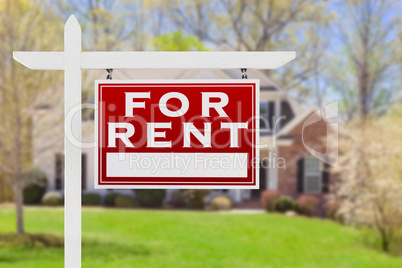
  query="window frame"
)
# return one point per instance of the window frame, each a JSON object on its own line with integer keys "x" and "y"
{"x": 310, "y": 173}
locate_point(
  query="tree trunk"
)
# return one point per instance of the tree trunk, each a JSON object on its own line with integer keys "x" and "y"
{"x": 385, "y": 245}
{"x": 384, "y": 241}
{"x": 19, "y": 201}
{"x": 363, "y": 92}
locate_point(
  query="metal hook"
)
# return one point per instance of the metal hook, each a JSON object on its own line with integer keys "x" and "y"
{"x": 243, "y": 73}
{"x": 109, "y": 74}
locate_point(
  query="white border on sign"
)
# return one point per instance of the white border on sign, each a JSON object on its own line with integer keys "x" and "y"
{"x": 164, "y": 86}
{"x": 182, "y": 81}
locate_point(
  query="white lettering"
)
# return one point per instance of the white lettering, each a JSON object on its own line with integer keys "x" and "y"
{"x": 234, "y": 136}
{"x": 152, "y": 134}
{"x": 206, "y": 104}
{"x": 205, "y": 139}
{"x": 184, "y": 104}
{"x": 123, "y": 136}
{"x": 130, "y": 104}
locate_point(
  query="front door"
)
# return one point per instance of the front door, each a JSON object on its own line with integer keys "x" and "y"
{"x": 263, "y": 182}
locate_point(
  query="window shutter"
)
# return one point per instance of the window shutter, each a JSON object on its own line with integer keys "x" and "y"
{"x": 325, "y": 178}
{"x": 271, "y": 115}
{"x": 83, "y": 171}
{"x": 59, "y": 171}
{"x": 300, "y": 175}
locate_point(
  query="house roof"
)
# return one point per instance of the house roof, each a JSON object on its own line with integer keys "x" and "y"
{"x": 296, "y": 121}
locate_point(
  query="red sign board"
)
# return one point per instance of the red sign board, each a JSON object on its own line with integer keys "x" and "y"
{"x": 177, "y": 134}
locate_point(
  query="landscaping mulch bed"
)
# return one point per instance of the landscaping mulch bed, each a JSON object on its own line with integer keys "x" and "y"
{"x": 31, "y": 240}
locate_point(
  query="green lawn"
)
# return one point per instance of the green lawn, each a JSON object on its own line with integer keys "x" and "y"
{"x": 135, "y": 238}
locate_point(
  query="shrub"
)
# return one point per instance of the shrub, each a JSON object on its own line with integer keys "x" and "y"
{"x": 150, "y": 197}
{"x": 221, "y": 202}
{"x": 34, "y": 186}
{"x": 307, "y": 205}
{"x": 110, "y": 199}
{"x": 196, "y": 197}
{"x": 34, "y": 176}
{"x": 33, "y": 194}
{"x": 332, "y": 207}
{"x": 124, "y": 201}
{"x": 283, "y": 204}
{"x": 268, "y": 199}
{"x": 91, "y": 199}
{"x": 178, "y": 199}
{"x": 52, "y": 199}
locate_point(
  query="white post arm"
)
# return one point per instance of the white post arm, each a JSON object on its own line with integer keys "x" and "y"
{"x": 159, "y": 60}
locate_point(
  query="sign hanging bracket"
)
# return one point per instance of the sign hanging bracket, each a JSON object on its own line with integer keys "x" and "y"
{"x": 243, "y": 73}
{"x": 109, "y": 74}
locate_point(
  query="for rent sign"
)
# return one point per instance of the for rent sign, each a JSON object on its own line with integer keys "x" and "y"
{"x": 177, "y": 134}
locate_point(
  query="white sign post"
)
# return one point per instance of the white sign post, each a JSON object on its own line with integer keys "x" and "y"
{"x": 72, "y": 61}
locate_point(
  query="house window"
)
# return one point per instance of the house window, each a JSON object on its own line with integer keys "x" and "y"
{"x": 59, "y": 171}
{"x": 312, "y": 175}
{"x": 267, "y": 113}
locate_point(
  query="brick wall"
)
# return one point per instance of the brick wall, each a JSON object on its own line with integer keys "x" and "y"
{"x": 314, "y": 137}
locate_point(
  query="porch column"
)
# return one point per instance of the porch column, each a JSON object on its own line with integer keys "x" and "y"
{"x": 236, "y": 195}
{"x": 273, "y": 170}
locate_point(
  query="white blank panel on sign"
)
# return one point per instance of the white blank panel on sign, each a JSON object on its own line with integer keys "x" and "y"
{"x": 177, "y": 165}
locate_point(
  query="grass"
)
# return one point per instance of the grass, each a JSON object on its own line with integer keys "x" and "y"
{"x": 135, "y": 238}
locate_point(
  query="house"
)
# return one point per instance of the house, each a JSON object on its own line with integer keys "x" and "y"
{"x": 286, "y": 164}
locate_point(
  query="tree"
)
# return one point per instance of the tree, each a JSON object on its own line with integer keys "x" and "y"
{"x": 285, "y": 25}
{"x": 108, "y": 24}
{"x": 23, "y": 27}
{"x": 371, "y": 175}
{"x": 197, "y": 17}
{"x": 246, "y": 25}
{"x": 258, "y": 25}
{"x": 366, "y": 69}
{"x": 177, "y": 41}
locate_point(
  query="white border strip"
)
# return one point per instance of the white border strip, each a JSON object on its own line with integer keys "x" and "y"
{"x": 178, "y": 186}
